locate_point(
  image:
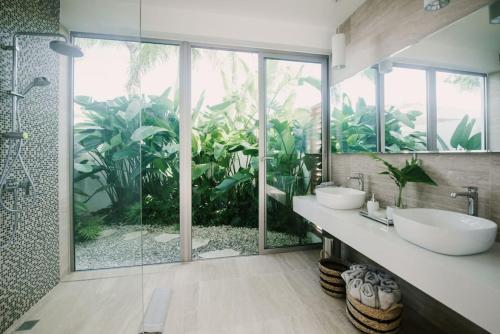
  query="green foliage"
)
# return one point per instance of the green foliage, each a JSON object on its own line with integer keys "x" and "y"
{"x": 105, "y": 152}
{"x": 87, "y": 226}
{"x": 291, "y": 132}
{"x": 462, "y": 138}
{"x": 354, "y": 129}
{"x": 411, "y": 172}
{"x": 465, "y": 82}
{"x": 395, "y": 141}
{"x": 129, "y": 148}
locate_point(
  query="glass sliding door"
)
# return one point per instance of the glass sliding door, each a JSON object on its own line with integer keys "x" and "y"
{"x": 128, "y": 150}
{"x": 294, "y": 101}
{"x": 125, "y": 154}
{"x": 224, "y": 93}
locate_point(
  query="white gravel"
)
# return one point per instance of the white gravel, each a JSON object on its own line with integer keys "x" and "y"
{"x": 121, "y": 246}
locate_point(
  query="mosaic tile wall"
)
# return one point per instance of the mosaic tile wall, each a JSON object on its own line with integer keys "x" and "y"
{"x": 30, "y": 267}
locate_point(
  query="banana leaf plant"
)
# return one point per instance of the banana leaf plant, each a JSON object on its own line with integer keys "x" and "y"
{"x": 462, "y": 138}
{"x": 412, "y": 171}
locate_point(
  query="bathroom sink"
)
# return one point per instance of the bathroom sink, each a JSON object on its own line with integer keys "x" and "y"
{"x": 445, "y": 232}
{"x": 340, "y": 198}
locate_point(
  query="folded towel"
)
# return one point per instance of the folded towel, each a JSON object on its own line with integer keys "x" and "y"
{"x": 351, "y": 274}
{"x": 372, "y": 278}
{"x": 369, "y": 295}
{"x": 388, "y": 297}
{"x": 389, "y": 283}
{"x": 354, "y": 288}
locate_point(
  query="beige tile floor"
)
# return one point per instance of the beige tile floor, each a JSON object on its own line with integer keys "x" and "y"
{"x": 257, "y": 294}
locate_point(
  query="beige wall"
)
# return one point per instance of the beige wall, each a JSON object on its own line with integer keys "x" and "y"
{"x": 380, "y": 28}
{"x": 376, "y": 30}
{"x": 450, "y": 171}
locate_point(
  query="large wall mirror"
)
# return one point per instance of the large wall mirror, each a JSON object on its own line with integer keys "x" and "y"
{"x": 439, "y": 95}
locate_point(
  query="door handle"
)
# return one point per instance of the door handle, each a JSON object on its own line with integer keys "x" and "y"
{"x": 266, "y": 158}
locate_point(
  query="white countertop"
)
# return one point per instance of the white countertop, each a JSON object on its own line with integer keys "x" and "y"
{"x": 469, "y": 285}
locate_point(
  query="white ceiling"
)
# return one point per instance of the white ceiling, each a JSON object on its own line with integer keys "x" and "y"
{"x": 471, "y": 43}
{"x": 301, "y": 25}
{"x": 321, "y": 13}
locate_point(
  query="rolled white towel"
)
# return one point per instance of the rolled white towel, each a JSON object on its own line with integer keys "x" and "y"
{"x": 389, "y": 283}
{"x": 383, "y": 275}
{"x": 372, "y": 278}
{"x": 388, "y": 297}
{"x": 369, "y": 295}
{"x": 354, "y": 288}
{"x": 351, "y": 274}
{"x": 362, "y": 267}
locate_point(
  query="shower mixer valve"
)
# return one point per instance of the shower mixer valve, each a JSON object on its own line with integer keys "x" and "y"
{"x": 16, "y": 135}
{"x": 14, "y": 138}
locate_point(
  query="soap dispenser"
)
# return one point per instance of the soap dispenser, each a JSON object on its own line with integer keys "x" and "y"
{"x": 372, "y": 206}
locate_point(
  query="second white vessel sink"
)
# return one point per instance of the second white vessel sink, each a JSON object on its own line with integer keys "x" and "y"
{"x": 445, "y": 232}
{"x": 340, "y": 198}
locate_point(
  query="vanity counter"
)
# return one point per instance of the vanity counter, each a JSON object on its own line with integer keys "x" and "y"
{"x": 469, "y": 285}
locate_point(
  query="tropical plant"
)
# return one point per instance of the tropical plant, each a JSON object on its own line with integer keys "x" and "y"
{"x": 291, "y": 132}
{"x": 395, "y": 141}
{"x": 354, "y": 129}
{"x": 127, "y": 151}
{"x": 462, "y": 138}
{"x": 411, "y": 172}
{"x": 106, "y": 153}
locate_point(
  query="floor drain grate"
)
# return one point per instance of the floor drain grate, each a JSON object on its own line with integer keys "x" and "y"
{"x": 27, "y": 325}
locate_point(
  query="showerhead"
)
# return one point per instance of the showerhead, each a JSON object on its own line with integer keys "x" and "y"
{"x": 37, "y": 82}
{"x": 66, "y": 49}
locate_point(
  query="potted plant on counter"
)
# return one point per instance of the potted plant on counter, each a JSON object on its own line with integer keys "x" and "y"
{"x": 411, "y": 172}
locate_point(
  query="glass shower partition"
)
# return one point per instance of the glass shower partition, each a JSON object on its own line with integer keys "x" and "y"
{"x": 107, "y": 143}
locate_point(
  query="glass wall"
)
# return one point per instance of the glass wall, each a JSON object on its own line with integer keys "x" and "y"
{"x": 127, "y": 150}
{"x": 294, "y": 107}
{"x": 125, "y": 154}
{"x": 225, "y": 204}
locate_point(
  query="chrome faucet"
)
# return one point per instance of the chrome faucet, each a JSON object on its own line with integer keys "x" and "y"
{"x": 361, "y": 180}
{"x": 472, "y": 198}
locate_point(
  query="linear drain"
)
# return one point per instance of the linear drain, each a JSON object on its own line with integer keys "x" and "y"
{"x": 27, "y": 325}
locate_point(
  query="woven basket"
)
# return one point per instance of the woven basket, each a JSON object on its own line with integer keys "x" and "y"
{"x": 374, "y": 321}
{"x": 330, "y": 279}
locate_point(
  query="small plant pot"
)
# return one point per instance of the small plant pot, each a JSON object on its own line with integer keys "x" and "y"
{"x": 330, "y": 278}
{"x": 371, "y": 320}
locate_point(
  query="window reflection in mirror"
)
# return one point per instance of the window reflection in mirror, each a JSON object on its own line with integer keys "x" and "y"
{"x": 405, "y": 99}
{"x": 442, "y": 94}
{"x": 354, "y": 114}
{"x": 460, "y": 108}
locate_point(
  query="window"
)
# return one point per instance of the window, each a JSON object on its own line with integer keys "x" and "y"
{"x": 420, "y": 109}
{"x": 125, "y": 154}
{"x": 405, "y": 110}
{"x": 225, "y": 203}
{"x": 460, "y": 111}
{"x": 130, "y": 143}
{"x": 354, "y": 114}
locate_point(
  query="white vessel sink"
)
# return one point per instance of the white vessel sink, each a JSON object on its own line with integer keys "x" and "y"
{"x": 445, "y": 232}
{"x": 340, "y": 198}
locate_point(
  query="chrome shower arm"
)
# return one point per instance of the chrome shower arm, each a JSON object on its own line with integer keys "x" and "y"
{"x": 37, "y": 34}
